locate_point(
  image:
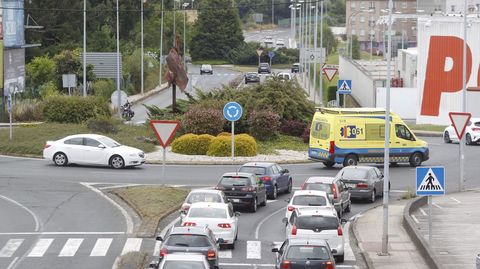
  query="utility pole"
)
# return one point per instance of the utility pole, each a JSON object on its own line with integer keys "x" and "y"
{"x": 161, "y": 50}
{"x": 119, "y": 104}
{"x": 84, "y": 48}
{"x": 321, "y": 53}
{"x": 141, "y": 45}
{"x": 273, "y": 12}
{"x": 315, "y": 37}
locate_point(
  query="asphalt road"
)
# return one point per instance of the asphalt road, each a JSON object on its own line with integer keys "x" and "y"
{"x": 221, "y": 76}
{"x": 259, "y": 35}
{"x": 56, "y": 218}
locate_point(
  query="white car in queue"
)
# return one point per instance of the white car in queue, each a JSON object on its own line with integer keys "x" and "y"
{"x": 219, "y": 217}
{"x": 317, "y": 223}
{"x": 203, "y": 195}
{"x": 307, "y": 198}
{"x": 472, "y": 133}
{"x": 92, "y": 149}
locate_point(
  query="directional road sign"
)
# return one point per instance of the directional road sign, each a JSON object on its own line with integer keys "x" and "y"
{"x": 271, "y": 54}
{"x": 430, "y": 181}
{"x": 9, "y": 103}
{"x": 344, "y": 86}
{"x": 459, "y": 121}
{"x": 232, "y": 111}
{"x": 164, "y": 130}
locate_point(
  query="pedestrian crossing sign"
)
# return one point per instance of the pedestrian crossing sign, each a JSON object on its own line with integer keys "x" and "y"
{"x": 430, "y": 181}
{"x": 344, "y": 86}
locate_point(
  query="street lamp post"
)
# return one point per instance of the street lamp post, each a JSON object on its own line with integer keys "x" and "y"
{"x": 321, "y": 53}
{"x": 119, "y": 100}
{"x": 273, "y": 12}
{"x": 185, "y": 5}
{"x": 84, "y": 48}
{"x": 315, "y": 36}
{"x": 142, "y": 48}
{"x": 161, "y": 49}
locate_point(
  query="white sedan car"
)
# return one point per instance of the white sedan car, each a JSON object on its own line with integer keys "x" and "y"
{"x": 472, "y": 132}
{"x": 92, "y": 149}
{"x": 219, "y": 217}
{"x": 307, "y": 198}
{"x": 203, "y": 195}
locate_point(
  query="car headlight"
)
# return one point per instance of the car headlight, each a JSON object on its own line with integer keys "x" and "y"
{"x": 141, "y": 155}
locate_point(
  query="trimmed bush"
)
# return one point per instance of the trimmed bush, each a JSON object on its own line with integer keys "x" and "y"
{"x": 220, "y": 146}
{"x": 200, "y": 120}
{"x": 186, "y": 144}
{"x": 224, "y": 134}
{"x": 74, "y": 109}
{"x": 293, "y": 128}
{"x": 264, "y": 124}
{"x": 27, "y": 110}
{"x": 203, "y": 143}
{"x": 104, "y": 125}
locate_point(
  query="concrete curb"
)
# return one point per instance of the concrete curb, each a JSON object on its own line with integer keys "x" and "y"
{"x": 134, "y": 99}
{"x": 355, "y": 233}
{"x": 415, "y": 235}
{"x": 427, "y": 133}
{"x": 224, "y": 162}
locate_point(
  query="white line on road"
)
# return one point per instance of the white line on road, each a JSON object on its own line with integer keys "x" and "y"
{"x": 164, "y": 231}
{"x": 423, "y": 212}
{"x": 254, "y": 250}
{"x": 398, "y": 191}
{"x": 225, "y": 254}
{"x": 10, "y": 248}
{"x": 458, "y": 202}
{"x": 40, "y": 247}
{"x": 10, "y": 266}
{"x": 257, "y": 230}
{"x": 64, "y": 233}
{"x": 71, "y": 247}
{"x": 37, "y": 222}
{"x": 101, "y": 247}
{"x": 132, "y": 244}
{"x": 156, "y": 248}
{"x": 415, "y": 219}
{"x": 247, "y": 264}
{"x": 349, "y": 256}
{"x": 128, "y": 218}
{"x": 271, "y": 201}
{"x": 437, "y": 206}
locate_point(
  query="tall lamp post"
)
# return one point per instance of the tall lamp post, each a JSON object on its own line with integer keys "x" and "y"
{"x": 141, "y": 45}
{"x": 84, "y": 47}
{"x": 119, "y": 100}
{"x": 184, "y": 5}
{"x": 161, "y": 50}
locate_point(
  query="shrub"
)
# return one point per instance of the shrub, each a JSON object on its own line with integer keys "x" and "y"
{"x": 264, "y": 124}
{"x": 221, "y": 146}
{"x": 203, "y": 143}
{"x": 103, "y": 88}
{"x": 74, "y": 109}
{"x": 186, "y": 144}
{"x": 293, "y": 128}
{"x": 48, "y": 90}
{"x": 102, "y": 125}
{"x": 199, "y": 120}
{"x": 224, "y": 134}
{"x": 306, "y": 133}
{"x": 27, "y": 110}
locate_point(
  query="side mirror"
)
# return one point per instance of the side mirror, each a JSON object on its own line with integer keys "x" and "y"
{"x": 285, "y": 220}
{"x": 274, "y": 249}
{"x": 238, "y": 214}
{"x": 153, "y": 264}
{"x": 101, "y": 146}
{"x": 287, "y": 200}
{"x": 334, "y": 251}
{"x": 284, "y": 171}
{"x": 159, "y": 238}
{"x": 220, "y": 241}
{"x": 343, "y": 221}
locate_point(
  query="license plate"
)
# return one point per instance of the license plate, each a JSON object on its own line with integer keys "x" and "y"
{"x": 236, "y": 200}
{"x": 350, "y": 185}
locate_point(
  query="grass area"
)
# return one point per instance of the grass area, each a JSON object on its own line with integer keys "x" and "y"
{"x": 30, "y": 139}
{"x": 364, "y": 55}
{"x": 212, "y": 62}
{"x": 410, "y": 194}
{"x": 281, "y": 142}
{"x": 426, "y": 127}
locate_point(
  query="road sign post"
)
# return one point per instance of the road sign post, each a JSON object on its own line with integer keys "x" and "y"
{"x": 259, "y": 53}
{"x": 459, "y": 122}
{"x": 344, "y": 87}
{"x": 271, "y": 54}
{"x": 9, "y": 108}
{"x": 430, "y": 181}
{"x": 164, "y": 130}
{"x": 232, "y": 112}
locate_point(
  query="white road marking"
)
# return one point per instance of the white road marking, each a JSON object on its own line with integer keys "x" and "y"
{"x": 254, "y": 250}
{"x": 64, "y": 233}
{"x": 37, "y": 222}
{"x": 437, "y": 206}
{"x": 40, "y": 247}
{"x": 156, "y": 249}
{"x": 257, "y": 230}
{"x": 132, "y": 244}
{"x": 423, "y": 212}
{"x": 71, "y": 247}
{"x": 10, "y": 248}
{"x": 128, "y": 218}
{"x": 457, "y": 201}
{"x": 348, "y": 252}
{"x": 101, "y": 247}
{"x": 247, "y": 264}
{"x": 225, "y": 254}
{"x": 415, "y": 219}
{"x": 271, "y": 201}
{"x": 10, "y": 266}
{"x": 398, "y": 191}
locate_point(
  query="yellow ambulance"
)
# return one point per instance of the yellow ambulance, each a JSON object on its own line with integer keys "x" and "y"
{"x": 350, "y": 136}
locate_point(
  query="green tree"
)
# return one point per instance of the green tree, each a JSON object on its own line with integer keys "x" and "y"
{"x": 355, "y": 47}
{"x": 217, "y": 30}
{"x": 40, "y": 71}
{"x": 329, "y": 40}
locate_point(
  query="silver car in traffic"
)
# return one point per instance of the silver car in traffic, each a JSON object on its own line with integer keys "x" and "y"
{"x": 364, "y": 182}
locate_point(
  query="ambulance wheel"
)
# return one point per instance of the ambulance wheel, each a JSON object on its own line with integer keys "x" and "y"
{"x": 329, "y": 164}
{"x": 416, "y": 159}
{"x": 350, "y": 160}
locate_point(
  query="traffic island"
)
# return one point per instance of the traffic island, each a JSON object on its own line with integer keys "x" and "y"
{"x": 151, "y": 203}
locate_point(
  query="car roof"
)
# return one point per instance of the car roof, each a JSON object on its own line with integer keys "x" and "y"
{"x": 311, "y": 211}
{"x": 93, "y": 136}
{"x": 179, "y": 256}
{"x": 328, "y": 180}
{"x": 239, "y": 174}
{"x": 303, "y": 241}
{"x": 259, "y": 164}
{"x": 252, "y": 73}
{"x": 189, "y": 230}
{"x": 361, "y": 167}
{"x": 208, "y": 204}
{"x": 264, "y": 63}
{"x": 309, "y": 192}
{"x": 205, "y": 191}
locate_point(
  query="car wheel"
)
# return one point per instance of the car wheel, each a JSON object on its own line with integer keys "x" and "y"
{"x": 246, "y": 82}
{"x": 373, "y": 197}
{"x": 290, "y": 187}
{"x": 117, "y": 162}
{"x": 349, "y": 207}
{"x": 350, "y": 160}
{"x": 329, "y": 164}
{"x": 340, "y": 212}
{"x": 340, "y": 258}
{"x": 264, "y": 203}
{"x": 274, "y": 193}
{"x": 446, "y": 138}
{"x": 232, "y": 245}
{"x": 416, "y": 159}
{"x": 60, "y": 159}
{"x": 468, "y": 139}
{"x": 253, "y": 207}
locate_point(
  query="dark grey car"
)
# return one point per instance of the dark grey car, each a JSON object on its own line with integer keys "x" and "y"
{"x": 304, "y": 254}
{"x": 338, "y": 193}
{"x": 364, "y": 182}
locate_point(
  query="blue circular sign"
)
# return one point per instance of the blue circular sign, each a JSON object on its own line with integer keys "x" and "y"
{"x": 232, "y": 111}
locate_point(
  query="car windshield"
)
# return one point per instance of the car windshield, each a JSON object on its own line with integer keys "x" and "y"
{"x": 309, "y": 200}
{"x": 203, "y": 197}
{"x": 109, "y": 142}
{"x": 264, "y": 65}
{"x": 183, "y": 265}
{"x": 354, "y": 173}
{"x": 187, "y": 240}
{"x": 317, "y": 222}
{"x": 253, "y": 170}
{"x": 318, "y": 187}
{"x": 235, "y": 181}
{"x": 207, "y": 212}
{"x": 308, "y": 253}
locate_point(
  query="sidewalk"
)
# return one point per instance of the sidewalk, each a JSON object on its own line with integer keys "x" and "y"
{"x": 367, "y": 229}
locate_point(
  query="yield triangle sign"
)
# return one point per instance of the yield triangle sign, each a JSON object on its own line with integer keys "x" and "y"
{"x": 459, "y": 122}
{"x": 164, "y": 130}
{"x": 330, "y": 73}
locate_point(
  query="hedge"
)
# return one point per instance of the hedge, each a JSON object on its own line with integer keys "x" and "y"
{"x": 74, "y": 109}
{"x": 245, "y": 145}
